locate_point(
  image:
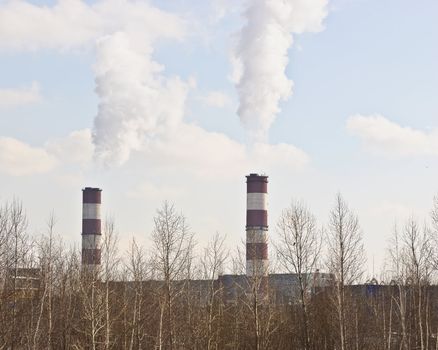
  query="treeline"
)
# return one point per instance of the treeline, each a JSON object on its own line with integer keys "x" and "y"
{"x": 168, "y": 297}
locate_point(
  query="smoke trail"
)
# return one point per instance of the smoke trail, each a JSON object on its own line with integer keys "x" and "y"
{"x": 262, "y": 56}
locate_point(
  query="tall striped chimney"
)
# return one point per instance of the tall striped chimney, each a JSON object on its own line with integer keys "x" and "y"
{"x": 91, "y": 226}
{"x": 257, "y": 225}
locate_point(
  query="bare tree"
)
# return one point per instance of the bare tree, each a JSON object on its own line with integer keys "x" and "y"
{"x": 137, "y": 267}
{"x": 173, "y": 243}
{"x": 47, "y": 258}
{"x": 19, "y": 248}
{"x": 213, "y": 261}
{"x": 298, "y": 250}
{"x": 92, "y": 309}
{"x": 110, "y": 261}
{"x": 345, "y": 258}
{"x": 399, "y": 277}
{"x": 418, "y": 258}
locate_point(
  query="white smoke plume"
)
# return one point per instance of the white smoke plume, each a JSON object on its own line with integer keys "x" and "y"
{"x": 135, "y": 101}
{"x": 261, "y": 57}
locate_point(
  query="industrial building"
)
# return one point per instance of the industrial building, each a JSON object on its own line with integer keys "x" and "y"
{"x": 283, "y": 286}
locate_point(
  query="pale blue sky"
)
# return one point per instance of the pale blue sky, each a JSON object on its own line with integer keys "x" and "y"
{"x": 373, "y": 57}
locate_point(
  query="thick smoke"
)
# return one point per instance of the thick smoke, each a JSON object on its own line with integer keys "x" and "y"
{"x": 135, "y": 101}
{"x": 261, "y": 57}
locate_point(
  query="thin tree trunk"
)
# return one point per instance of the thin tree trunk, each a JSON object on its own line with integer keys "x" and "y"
{"x": 134, "y": 323}
{"x": 390, "y": 325}
{"x": 420, "y": 319}
{"x": 107, "y": 315}
{"x": 40, "y": 315}
{"x": 160, "y": 329}
{"x": 402, "y": 300}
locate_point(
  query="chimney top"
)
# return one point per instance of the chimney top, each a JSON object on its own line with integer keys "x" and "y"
{"x": 254, "y": 177}
{"x": 94, "y": 189}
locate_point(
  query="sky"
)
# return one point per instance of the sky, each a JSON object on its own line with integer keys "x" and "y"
{"x": 179, "y": 100}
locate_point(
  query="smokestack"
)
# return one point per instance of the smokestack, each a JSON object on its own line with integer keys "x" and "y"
{"x": 91, "y": 226}
{"x": 257, "y": 225}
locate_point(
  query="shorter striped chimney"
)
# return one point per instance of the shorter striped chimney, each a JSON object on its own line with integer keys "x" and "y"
{"x": 91, "y": 226}
{"x": 257, "y": 225}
